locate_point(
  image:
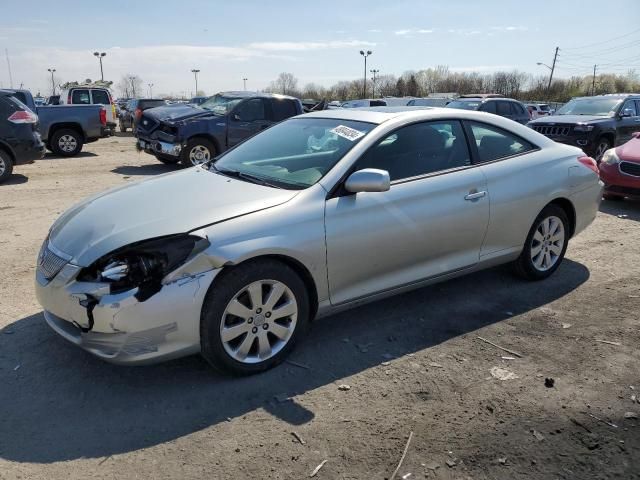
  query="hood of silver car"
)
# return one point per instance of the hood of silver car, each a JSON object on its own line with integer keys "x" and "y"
{"x": 164, "y": 205}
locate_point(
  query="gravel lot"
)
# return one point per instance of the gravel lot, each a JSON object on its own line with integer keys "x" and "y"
{"x": 413, "y": 364}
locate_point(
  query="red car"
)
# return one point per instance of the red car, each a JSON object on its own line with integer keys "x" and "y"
{"x": 620, "y": 170}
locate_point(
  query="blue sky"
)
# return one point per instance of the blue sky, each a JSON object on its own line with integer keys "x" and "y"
{"x": 317, "y": 41}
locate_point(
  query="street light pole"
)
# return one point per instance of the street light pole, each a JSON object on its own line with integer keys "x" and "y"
{"x": 100, "y": 55}
{"x": 374, "y": 72}
{"x": 364, "y": 86}
{"x": 53, "y": 83}
{"x": 150, "y": 90}
{"x": 195, "y": 72}
{"x": 244, "y": 80}
{"x": 133, "y": 86}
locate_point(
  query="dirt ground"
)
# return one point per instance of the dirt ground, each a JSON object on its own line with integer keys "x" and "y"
{"x": 413, "y": 363}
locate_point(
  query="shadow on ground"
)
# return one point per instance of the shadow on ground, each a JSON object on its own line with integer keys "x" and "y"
{"x": 53, "y": 156}
{"x": 148, "y": 169}
{"x": 59, "y": 403}
{"x": 15, "y": 179}
{"x": 124, "y": 134}
{"x": 626, "y": 209}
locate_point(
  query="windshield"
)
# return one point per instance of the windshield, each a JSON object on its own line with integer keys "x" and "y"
{"x": 463, "y": 105}
{"x": 293, "y": 154}
{"x": 220, "y": 105}
{"x": 603, "y": 107}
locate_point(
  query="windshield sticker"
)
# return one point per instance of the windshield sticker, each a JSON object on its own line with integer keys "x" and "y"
{"x": 348, "y": 133}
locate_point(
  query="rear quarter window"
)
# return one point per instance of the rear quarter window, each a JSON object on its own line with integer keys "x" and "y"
{"x": 100, "y": 97}
{"x": 80, "y": 97}
{"x": 283, "y": 109}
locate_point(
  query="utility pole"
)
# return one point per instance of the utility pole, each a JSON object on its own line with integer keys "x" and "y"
{"x": 6, "y": 52}
{"x": 374, "y": 72}
{"x": 195, "y": 72}
{"x": 364, "y": 78}
{"x": 593, "y": 82}
{"x": 553, "y": 67}
{"x": 244, "y": 80}
{"x": 150, "y": 90}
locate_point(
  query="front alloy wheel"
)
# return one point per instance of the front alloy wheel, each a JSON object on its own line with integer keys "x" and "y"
{"x": 603, "y": 146}
{"x": 252, "y": 317}
{"x": 198, "y": 151}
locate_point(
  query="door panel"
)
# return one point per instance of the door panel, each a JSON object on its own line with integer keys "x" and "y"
{"x": 628, "y": 125}
{"x": 416, "y": 230}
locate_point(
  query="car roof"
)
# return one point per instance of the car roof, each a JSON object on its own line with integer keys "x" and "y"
{"x": 246, "y": 94}
{"x": 611, "y": 95}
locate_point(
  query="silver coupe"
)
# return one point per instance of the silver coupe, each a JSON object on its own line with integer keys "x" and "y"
{"x": 234, "y": 258}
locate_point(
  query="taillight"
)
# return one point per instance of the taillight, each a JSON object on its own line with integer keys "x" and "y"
{"x": 23, "y": 116}
{"x": 590, "y": 163}
{"x": 103, "y": 116}
{"x": 138, "y": 113}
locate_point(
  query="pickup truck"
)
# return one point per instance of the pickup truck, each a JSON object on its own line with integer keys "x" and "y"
{"x": 66, "y": 128}
{"x": 194, "y": 135}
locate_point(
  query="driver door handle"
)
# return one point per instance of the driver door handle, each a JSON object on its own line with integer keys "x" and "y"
{"x": 475, "y": 195}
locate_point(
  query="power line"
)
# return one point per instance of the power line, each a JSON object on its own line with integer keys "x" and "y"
{"x": 606, "y": 51}
{"x": 604, "y": 41}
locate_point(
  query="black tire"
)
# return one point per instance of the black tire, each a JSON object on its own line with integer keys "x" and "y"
{"x": 167, "y": 159}
{"x": 602, "y": 146}
{"x": 198, "y": 142}
{"x": 6, "y": 166}
{"x": 123, "y": 129}
{"x": 73, "y": 145}
{"x": 224, "y": 289}
{"x": 524, "y": 265}
{"x": 612, "y": 198}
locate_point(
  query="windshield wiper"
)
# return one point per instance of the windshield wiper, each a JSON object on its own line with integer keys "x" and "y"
{"x": 245, "y": 176}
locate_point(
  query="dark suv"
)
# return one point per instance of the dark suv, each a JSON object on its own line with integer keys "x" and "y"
{"x": 20, "y": 141}
{"x": 131, "y": 113}
{"x": 595, "y": 124}
{"x": 505, "y": 107}
{"x": 194, "y": 135}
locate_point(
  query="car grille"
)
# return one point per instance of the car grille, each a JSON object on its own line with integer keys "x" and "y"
{"x": 552, "y": 130}
{"x": 630, "y": 168}
{"x": 49, "y": 264}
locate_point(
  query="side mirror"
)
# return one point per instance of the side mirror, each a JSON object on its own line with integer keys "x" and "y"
{"x": 627, "y": 112}
{"x": 368, "y": 180}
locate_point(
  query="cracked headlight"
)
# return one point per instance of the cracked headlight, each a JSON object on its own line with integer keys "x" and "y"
{"x": 144, "y": 264}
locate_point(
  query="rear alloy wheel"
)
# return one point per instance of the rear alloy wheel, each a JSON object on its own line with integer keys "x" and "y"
{"x": 66, "y": 142}
{"x": 253, "y": 316}
{"x": 197, "y": 152}
{"x": 545, "y": 246}
{"x": 603, "y": 146}
{"x": 6, "y": 166}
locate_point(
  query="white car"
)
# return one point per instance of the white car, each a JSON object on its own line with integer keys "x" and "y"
{"x": 537, "y": 110}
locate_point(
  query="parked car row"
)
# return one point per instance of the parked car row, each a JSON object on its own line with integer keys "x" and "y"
{"x": 131, "y": 112}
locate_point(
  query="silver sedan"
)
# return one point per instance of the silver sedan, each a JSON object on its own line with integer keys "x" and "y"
{"x": 233, "y": 259}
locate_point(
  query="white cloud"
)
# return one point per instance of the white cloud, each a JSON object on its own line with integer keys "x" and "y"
{"x": 374, "y": 30}
{"x": 302, "y": 46}
{"x": 464, "y": 31}
{"x": 518, "y": 28}
{"x": 412, "y": 31}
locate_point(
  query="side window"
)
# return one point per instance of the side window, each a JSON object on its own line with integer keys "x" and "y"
{"x": 517, "y": 108}
{"x": 80, "y": 97}
{"x": 494, "y": 143}
{"x": 100, "y": 97}
{"x": 419, "y": 149}
{"x": 630, "y": 104}
{"x": 489, "y": 107}
{"x": 251, "y": 110}
{"x": 282, "y": 108}
{"x": 503, "y": 108}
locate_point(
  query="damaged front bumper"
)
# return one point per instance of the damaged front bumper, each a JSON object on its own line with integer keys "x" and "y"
{"x": 159, "y": 147}
{"x": 124, "y": 330}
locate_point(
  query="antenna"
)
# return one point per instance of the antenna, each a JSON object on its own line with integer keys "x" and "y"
{"x": 6, "y": 52}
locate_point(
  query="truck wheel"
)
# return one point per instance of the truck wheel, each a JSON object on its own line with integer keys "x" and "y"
{"x": 6, "y": 166}
{"x": 66, "y": 142}
{"x": 197, "y": 152}
{"x": 166, "y": 159}
{"x": 603, "y": 146}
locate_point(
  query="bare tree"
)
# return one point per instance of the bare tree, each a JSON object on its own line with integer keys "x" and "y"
{"x": 286, "y": 84}
{"x": 129, "y": 85}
